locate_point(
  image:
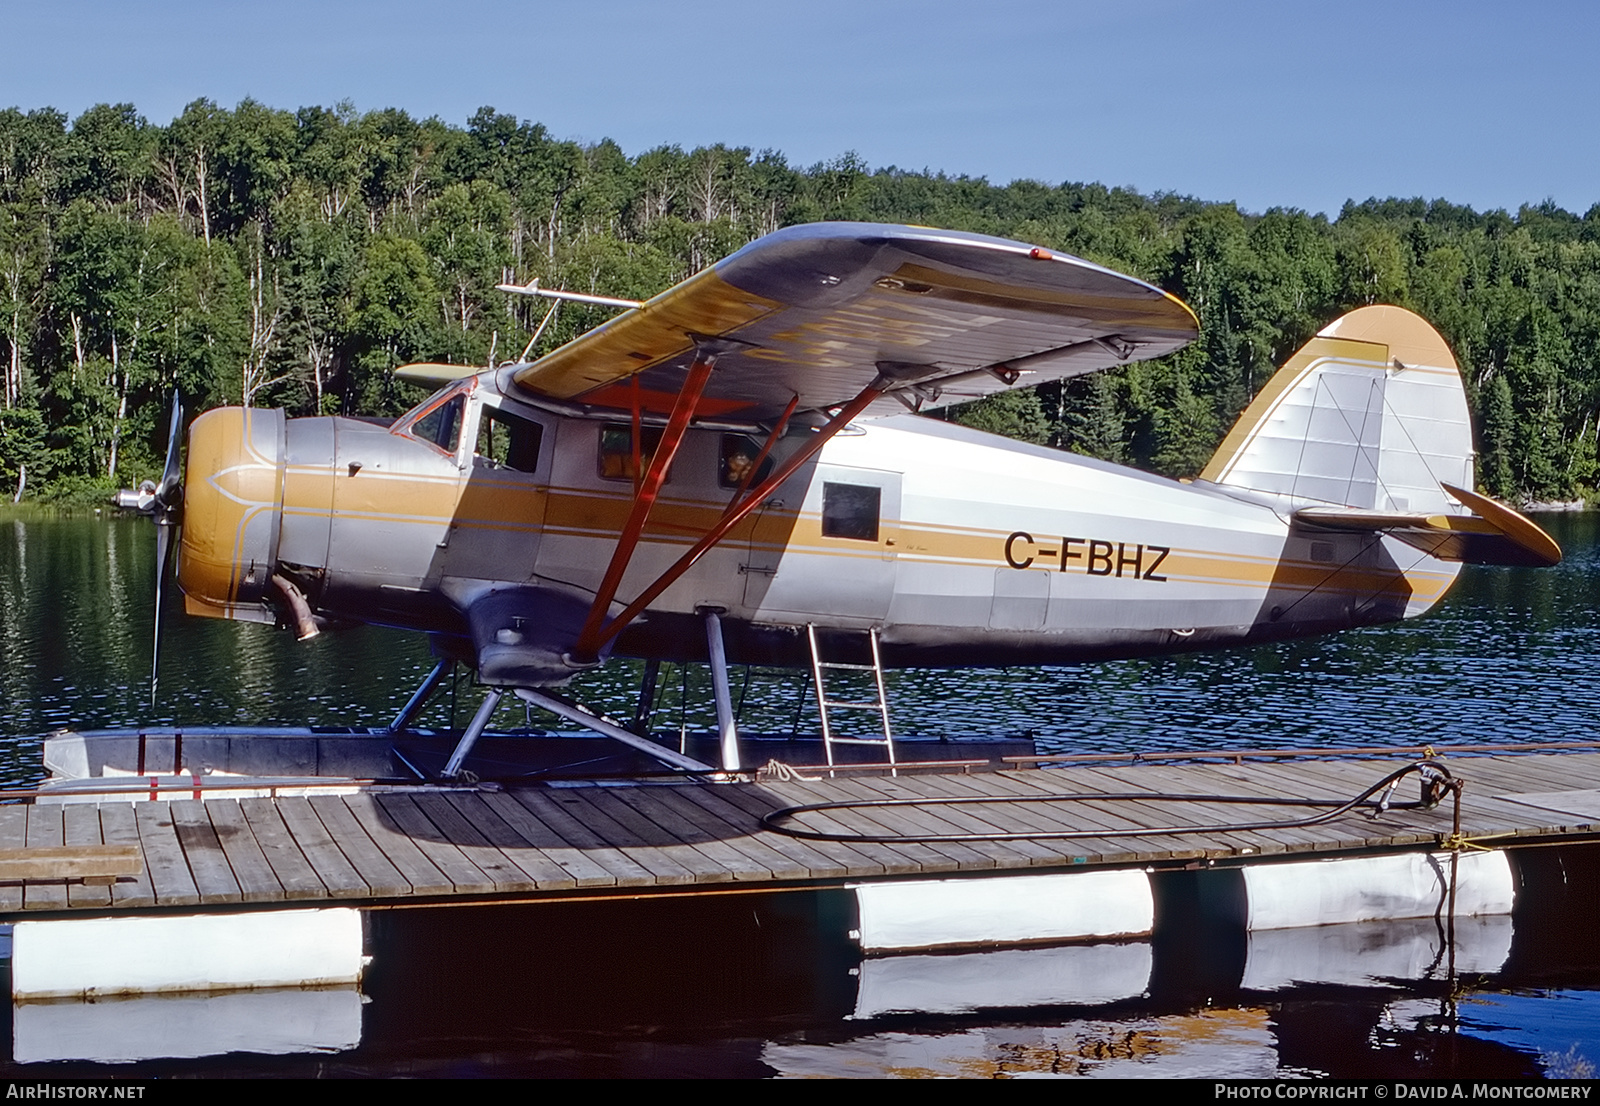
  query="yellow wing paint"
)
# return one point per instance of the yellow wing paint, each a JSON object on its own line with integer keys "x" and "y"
{"x": 652, "y": 333}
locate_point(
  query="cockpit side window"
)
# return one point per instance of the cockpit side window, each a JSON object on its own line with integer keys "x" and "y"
{"x": 442, "y": 425}
{"x": 738, "y": 453}
{"x": 509, "y": 441}
{"x": 616, "y": 452}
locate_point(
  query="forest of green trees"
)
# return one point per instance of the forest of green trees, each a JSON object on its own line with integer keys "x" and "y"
{"x": 292, "y": 259}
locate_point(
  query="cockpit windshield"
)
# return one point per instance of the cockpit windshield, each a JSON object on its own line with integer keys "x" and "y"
{"x": 437, "y": 420}
{"x": 442, "y": 425}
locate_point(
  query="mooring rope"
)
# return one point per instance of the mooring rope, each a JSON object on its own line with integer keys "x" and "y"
{"x": 1435, "y": 778}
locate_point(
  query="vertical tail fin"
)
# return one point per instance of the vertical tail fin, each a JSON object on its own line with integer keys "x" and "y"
{"x": 1371, "y": 414}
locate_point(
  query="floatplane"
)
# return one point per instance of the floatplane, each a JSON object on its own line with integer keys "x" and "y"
{"x": 738, "y": 471}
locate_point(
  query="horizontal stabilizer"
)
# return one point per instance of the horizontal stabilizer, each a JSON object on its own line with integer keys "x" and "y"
{"x": 1494, "y": 535}
{"x": 434, "y": 375}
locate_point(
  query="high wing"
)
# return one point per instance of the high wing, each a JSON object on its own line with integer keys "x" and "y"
{"x": 821, "y": 310}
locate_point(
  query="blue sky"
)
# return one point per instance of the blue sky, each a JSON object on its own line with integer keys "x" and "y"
{"x": 1293, "y": 104}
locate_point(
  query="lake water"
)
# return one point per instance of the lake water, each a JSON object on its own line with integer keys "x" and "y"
{"x": 762, "y": 985}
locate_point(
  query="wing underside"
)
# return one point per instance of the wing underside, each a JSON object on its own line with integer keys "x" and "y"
{"x": 819, "y": 311}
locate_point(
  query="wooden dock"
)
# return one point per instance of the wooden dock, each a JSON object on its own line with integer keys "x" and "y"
{"x": 393, "y": 846}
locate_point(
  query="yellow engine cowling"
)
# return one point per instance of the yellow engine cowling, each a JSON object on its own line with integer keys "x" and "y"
{"x": 232, "y": 512}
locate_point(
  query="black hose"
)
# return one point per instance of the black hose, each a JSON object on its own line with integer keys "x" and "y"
{"x": 1436, "y": 781}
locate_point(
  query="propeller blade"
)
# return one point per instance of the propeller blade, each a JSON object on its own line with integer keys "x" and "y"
{"x": 171, "y": 475}
{"x": 163, "y": 550}
{"x": 168, "y": 502}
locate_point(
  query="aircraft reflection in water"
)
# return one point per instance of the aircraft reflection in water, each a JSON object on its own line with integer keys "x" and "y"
{"x": 720, "y": 472}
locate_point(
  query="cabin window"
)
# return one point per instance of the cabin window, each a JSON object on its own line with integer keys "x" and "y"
{"x": 616, "y": 451}
{"x": 509, "y": 441}
{"x": 442, "y": 425}
{"x": 850, "y": 511}
{"x": 738, "y": 454}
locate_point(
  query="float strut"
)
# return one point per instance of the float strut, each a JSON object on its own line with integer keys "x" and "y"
{"x": 644, "y": 498}
{"x": 475, "y": 728}
{"x": 727, "y": 728}
{"x": 414, "y": 706}
{"x": 647, "y": 698}
{"x": 573, "y": 713}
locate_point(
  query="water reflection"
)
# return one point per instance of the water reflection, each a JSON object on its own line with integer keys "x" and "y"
{"x": 768, "y": 984}
{"x": 124, "y": 1030}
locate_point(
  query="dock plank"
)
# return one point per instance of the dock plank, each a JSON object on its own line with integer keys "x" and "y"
{"x": 44, "y": 830}
{"x": 526, "y": 843}
{"x": 208, "y": 864}
{"x": 582, "y": 871}
{"x": 119, "y": 827}
{"x": 292, "y": 870}
{"x": 824, "y": 858}
{"x": 650, "y": 847}
{"x": 376, "y": 870}
{"x": 1522, "y": 773}
{"x": 1267, "y": 841}
{"x": 1053, "y": 817}
{"x": 1093, "y": 814}
{"x": 575, "y": 835}
{"x": 1222, "y": 841}
{"x": 710, "y": 859}
{"x": 757, "y": 859}
{"x": 870, "y": 822}
{"x": 1022, "y": 817}
{"x": 311, "y": 838}
{"x": 443, "y": 812}
{"x": 993, "y": 818}
{"x": 546, "y": 874}
{"x": 1354, "y": 830}
{"x": 465, "y": 877}
{"x": 257, "y": 883}
{"x": 13, "y": 835}
{"x": 80, "y": 825}
{"x": 1351, "y": 830}
{"x": 762, "y": 799}
{"x": 961, "y": 820}
{"x": 401, "y": 848}
{"x": 721, "y": 803}
{"x": 163, "y": 855}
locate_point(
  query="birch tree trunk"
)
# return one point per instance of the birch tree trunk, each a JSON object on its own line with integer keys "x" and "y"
{"x": 263, "y": 329}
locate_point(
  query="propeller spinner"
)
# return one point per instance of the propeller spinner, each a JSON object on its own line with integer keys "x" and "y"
{"x": 163, "y": 502}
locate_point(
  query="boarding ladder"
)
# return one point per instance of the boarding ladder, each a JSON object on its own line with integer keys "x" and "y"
{"x": 824, "y": 704}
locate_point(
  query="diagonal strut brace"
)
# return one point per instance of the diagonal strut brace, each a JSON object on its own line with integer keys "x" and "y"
{"x": 644, "y": 498}
{"x": 589, "y": 646}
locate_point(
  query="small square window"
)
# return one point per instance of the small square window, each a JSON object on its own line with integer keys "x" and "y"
{"x": 850, "y": 511}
